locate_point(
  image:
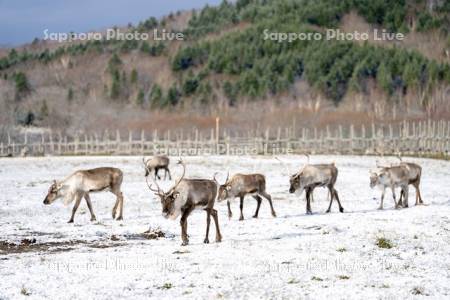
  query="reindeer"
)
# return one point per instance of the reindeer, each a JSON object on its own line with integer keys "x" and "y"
{"x": 414, "y": 176}
{"x": 288, "y": 172}
{"x": 241, "y": 185}
{"x": 82, "y": 182}
{"x": 156, "y": 163}
{"x": 186, "y": 196}
{"x": 312, "y": 176}
{"x": 392, "y": 177}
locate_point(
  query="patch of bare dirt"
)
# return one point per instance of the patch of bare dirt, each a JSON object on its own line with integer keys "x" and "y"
{"x": 31, "y": 245}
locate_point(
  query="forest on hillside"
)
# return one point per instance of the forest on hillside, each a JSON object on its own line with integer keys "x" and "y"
{"x": 225, "y": 59}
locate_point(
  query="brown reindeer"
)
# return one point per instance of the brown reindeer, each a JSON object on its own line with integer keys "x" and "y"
{"x": 241, "y": 185}
{"x": 155, "y": 164}
{"x": 186, "y": 196}
{"x": 82, "y": 182}
{"x": 312, "y": 176}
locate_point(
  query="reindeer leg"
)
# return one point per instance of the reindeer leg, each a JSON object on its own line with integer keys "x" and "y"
{"x": 115, "y": 208}
{"x": 330, "y": 189}
{"x": 418, "y": 196}
{"x": 183, "y": 223}
{"x": 418, "y": 193}
{"x": 120, "y": 196}
{"x": 241, "y": 206}
{"x": 269, "y": 198}
{"x": 405, "y": 194}
{"x": 170, "y": 177}
{"x": 382, "y": 198}
{"x": 308, "y": 199}
{"x": 89, "y": 204}
{"x": 216, "y": 221}
{"x": 400, "y": 201}
{"x": 259, "y": 200}
{"x": 394, "y": 197}
{"x": 78, "y": 197}
{"x": 341, "y": 209}
{"x": 208, "y": 222}
{"x": 230, "y": 214}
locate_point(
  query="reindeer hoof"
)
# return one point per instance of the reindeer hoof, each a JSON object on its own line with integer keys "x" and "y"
{"x": 327, "y": 211}
{"x": 341, "y": 209}
{"x": 255, "y": 216}
{"x": 93, "y": 219}
{"x": 70, "y": 221}
{"x": 230, "y": 216}
{"x": 310, "y": 212}
{"x": 184, "y": 243}
{"x": 119, "y": 218}
{"x": 206, "y": 241}
{"x": 274, "y": 214}
{"x": 381, "y": 208}
{"x": 241, "y": 218}
{"x": 218, "y": 240}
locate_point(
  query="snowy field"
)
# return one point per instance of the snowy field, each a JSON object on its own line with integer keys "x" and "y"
{"x": 295, "y": 255}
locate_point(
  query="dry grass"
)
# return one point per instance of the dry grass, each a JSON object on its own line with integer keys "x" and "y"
{"x": 430, "y": 44}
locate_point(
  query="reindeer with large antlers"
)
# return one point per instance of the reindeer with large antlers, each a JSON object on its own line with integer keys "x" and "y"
{"x": 81, "y": 183}
{"x": 186, "y": 196}
{"x": 312, "y": 176}
{"x": 241, "y": 185}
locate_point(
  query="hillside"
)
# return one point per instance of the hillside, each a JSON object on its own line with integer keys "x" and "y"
{"x": 226, "y": 67}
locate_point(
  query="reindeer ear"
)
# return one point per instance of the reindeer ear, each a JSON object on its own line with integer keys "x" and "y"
{"x": 228, "y": 187}
{"x": 176, "y": 195}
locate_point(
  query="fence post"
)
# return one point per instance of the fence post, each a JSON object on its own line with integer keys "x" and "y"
{"x": 76, "y": 141}
{"x": 142, "y": 141}
{"x": 217, "y": 134}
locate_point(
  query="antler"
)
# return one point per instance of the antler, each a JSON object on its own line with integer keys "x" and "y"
{"x": 228, "y": 176}
{"x": 284, "y": 165}
{"x": 380, "y": 166}
{"x": 214, "y": 177}
{"x": 182, "y": 176}
{"x": 307, "y": 156}
{"x": 159, "y": 191}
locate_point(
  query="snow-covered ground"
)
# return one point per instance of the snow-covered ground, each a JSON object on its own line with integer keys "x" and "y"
{"x": 292, "y": 256}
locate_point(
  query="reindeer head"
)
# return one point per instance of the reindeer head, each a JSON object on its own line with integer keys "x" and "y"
{"x": 295, "y": 183}
{"x": 373, "y": 179}
{"x": 171, "y": 206}
{"x": 224, "y": 190}
{"x": 170, "y": 201}
{"x": 54, "y": 192}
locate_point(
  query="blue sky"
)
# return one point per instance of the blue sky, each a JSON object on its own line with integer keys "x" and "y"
{"x": 23, "y": 20}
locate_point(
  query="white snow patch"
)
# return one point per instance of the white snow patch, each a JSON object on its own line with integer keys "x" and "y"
{"x": 292, "y": 256}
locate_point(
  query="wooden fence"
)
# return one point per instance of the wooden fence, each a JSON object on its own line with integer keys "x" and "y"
{"x": 409, "y": 138}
